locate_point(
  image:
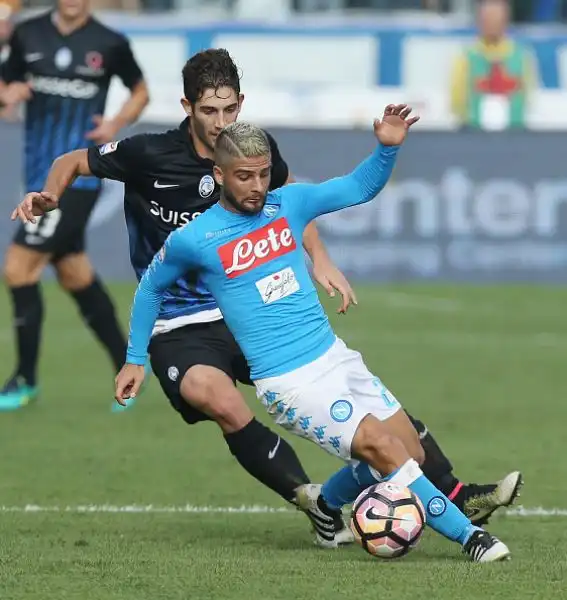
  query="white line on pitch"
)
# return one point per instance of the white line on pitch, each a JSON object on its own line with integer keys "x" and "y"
{"x": 519, "y": 511}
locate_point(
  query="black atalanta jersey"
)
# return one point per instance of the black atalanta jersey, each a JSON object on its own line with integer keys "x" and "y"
{"x": 69, "y": 76}
{"x": 167, "y": 184}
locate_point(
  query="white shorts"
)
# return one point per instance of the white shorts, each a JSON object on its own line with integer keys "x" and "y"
{"x": 325, "y": 400}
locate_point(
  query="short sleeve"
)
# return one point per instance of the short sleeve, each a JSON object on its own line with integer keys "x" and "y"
{"x": 125, "y": 66}
{"x": 121, "y": 161}
{"x": 13, "y": 67}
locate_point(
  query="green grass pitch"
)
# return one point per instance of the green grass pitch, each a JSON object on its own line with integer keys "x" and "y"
{"x": 482, "y": 366}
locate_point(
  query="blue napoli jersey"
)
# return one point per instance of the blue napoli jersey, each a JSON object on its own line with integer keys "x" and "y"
{"x": 255, "y": 269}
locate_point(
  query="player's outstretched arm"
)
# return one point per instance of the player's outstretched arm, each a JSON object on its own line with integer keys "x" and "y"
{"x": 63, "y": 172}
{"x": 120, "y": 161}
{"x": 171, "y": 262}
{"x": 176, "y": 257}
{"x": 367, "y": 179}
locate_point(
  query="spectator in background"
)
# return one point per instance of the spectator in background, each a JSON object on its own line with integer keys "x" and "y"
{"x": 492, "y": 79}
{"x": 8, "y": 8}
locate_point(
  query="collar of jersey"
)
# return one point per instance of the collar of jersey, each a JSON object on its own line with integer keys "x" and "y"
{"x": 51, "y": 16}
{"x": 234, "y": 215}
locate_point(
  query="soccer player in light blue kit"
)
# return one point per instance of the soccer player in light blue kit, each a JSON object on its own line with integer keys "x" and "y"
{"x": 245, "y": 251}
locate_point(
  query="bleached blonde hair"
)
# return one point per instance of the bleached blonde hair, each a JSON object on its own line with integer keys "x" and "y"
{"x": 241, "y": 140}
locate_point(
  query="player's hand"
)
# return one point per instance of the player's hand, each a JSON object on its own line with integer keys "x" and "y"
{"x": 105, "y": 130}
{"x": 128, "y": 382}
{"x": 393, "y": 128}
{"x": 328, "y": 276}
{"x": 35, "y": 204}
{"x": 15, "y": 93}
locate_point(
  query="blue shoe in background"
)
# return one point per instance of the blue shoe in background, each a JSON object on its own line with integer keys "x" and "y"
{"x": 16, "y": 394}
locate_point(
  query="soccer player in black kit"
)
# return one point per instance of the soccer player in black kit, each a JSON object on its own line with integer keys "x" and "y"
{"x": 168, "y": 182}
{"x": 60, "y": 65}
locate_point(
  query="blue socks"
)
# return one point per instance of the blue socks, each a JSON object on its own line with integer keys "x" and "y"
{"x": 441, "y": 514}
{"x": 344, "y": 486}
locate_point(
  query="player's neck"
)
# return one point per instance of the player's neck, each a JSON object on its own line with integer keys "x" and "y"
{"x": 492, "y": 40}
{"x": 67, "y": 26}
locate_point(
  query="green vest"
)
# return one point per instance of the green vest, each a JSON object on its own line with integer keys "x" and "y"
{"x": 503, "y": 77}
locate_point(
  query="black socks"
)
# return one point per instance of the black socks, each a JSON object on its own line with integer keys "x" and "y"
{"x": 99, "y": 314}
{"x": 268, "y": 458}
{"x": 28, "y": 317}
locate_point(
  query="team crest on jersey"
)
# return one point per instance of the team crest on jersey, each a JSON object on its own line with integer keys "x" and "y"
{"x": 63, "y": 58}
{"x": 108, "y": 148}
{"x": 206, "y": 186}
{"x": 270, "y": 210}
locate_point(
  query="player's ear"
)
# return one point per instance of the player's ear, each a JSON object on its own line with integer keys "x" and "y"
{"x": 186, "y": 106}
{"x": 240, "y": 100}
{"x": 218, "y": 175}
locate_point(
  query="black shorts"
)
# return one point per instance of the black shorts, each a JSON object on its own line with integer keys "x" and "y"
{"x": 61, "y": 231}
{"x": 173, "y": 353}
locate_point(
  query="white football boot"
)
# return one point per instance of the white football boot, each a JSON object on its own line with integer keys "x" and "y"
{"x": 483, "y": 547}
{"x": 328, "y": 525}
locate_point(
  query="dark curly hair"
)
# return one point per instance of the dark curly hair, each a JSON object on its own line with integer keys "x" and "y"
{"x": 213, "y": 68}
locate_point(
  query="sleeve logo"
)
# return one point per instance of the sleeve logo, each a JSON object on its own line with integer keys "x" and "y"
{"x": 107, "y": 148}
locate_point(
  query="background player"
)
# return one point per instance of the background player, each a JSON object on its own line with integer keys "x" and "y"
{"x": 244, "y": 248}
{"x": 180, "y": 163}
{"x": 8, "y": 10}
{"x": 60, "y": 64}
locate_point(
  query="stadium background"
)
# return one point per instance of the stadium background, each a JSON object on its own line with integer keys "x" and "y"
{"x": 456, "y": 267}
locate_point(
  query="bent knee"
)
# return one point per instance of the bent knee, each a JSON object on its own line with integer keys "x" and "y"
{"x": 23, "y": 267}
{"x": 211, "y": 391}
{"x": 74, "y": 273}
{"x": 381, "y": 443}
{"x": 14, "y": 276}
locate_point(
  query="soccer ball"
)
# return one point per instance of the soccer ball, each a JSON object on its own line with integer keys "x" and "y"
{"x": 387, "y": 520}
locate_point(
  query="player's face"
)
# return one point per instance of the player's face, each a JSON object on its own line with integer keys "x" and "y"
{"x": 493, "y": 17}
{"x": 245, "y": 183}
{"x": 214, "y": 110}
{"x": 72, "y": 9}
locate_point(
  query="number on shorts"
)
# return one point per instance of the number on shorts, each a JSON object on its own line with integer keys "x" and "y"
{"x": 387, "y": 396}
{"x": 45, "y": 226}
